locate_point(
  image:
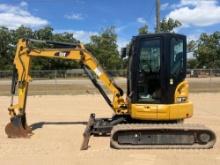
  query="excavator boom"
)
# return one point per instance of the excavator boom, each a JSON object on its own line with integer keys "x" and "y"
{"x": 67, "y": 51}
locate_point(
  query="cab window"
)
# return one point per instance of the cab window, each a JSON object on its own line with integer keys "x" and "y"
{"x": 149, "y": 87}
{"x": 150, "y": 56}
{"x": 176, "y": 57}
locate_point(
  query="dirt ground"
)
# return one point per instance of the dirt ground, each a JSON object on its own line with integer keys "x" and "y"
{"x": 59, "y": 121}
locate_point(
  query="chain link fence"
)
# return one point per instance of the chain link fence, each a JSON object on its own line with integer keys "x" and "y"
{"x": 68, "y": 74}
{"x": 203, "y": 73}
{"x": 76, "y": 82}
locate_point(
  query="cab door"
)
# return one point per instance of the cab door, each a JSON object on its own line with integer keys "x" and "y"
{"x": 177, "y": 71}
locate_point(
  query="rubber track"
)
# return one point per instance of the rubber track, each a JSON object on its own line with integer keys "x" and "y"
{"x": 184, "y": 127}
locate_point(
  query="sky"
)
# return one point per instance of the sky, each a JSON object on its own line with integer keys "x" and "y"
{"x": 88, "y": 17}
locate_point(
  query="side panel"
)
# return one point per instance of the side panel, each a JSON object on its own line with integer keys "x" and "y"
{"x": 161, "y": 111}
{"x": 144, "y": 111}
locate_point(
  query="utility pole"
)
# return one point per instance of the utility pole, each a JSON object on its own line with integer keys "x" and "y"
{"x": 157, "y": 16}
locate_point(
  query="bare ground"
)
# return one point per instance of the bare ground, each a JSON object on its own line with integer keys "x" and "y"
{"x": 59, "y": 122}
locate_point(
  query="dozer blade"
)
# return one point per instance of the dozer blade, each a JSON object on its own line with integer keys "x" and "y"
{"x": 87, "y": 133}
{"x": 18, "y": 128}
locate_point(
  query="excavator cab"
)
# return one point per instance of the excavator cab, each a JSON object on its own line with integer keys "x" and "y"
{"x": 157, "y": 64}
{"x": 156, "y": 77}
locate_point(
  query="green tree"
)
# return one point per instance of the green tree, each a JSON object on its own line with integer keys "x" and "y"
{"x": 22, "y": 32}
{"x": 192, "y": 46}
{"x": 9, "y": 38}
{"x": 6, "y": 48}
{"x": 104, "y": 47}
{"x": 192, "y": 63}
{"x": 208, "y": 52}
{"x": 143, "y": 30}
{"x": 168, "y": 25}
{"x": 44, "y": 33}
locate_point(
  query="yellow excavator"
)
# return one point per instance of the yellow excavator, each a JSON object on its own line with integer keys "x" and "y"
{"x": 152, "y": 112}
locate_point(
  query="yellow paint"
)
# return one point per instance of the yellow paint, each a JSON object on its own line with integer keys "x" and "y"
{"x": 182, "y": 90}
{"x": 161, "y": 111}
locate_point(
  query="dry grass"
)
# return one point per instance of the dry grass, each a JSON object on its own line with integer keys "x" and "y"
{"x": 84, "y": 86}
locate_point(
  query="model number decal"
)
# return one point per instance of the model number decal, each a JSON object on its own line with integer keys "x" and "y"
{"x": 61, "y": 54}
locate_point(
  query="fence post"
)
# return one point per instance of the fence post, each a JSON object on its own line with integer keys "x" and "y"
{"x": 55, "y": 76}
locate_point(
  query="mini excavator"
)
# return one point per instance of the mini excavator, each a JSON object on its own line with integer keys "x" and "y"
{"x": 152, "y": 112}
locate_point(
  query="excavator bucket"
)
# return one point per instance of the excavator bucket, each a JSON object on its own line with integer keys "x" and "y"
{"x": 18, "y": 128}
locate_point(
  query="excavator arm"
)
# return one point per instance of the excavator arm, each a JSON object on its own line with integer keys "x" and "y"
{"x": 66, "y": 51}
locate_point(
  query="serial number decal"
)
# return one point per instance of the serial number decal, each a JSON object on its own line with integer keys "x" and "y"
{"x": 61, "y": 54}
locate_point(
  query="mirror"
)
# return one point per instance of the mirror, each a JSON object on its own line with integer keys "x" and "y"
{"x": 123, "y": 52}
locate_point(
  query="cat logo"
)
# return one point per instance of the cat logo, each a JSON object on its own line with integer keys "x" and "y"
{"x": 61, "y": 54}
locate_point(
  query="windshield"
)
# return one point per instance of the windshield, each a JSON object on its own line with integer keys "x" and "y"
{"x": 150, "y": 56}
{"x": 149, "y": 88}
